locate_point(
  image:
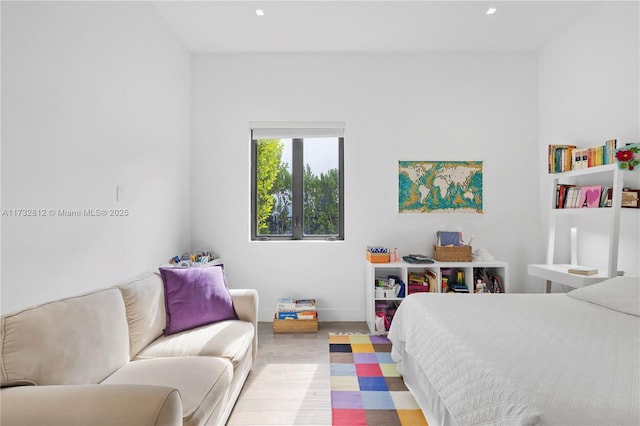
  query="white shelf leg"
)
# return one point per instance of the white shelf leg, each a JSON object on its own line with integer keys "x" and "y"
{"x": 552, "y": 225}
{"x": 616, "y": 205}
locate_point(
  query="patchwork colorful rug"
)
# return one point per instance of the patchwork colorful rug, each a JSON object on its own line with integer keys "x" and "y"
{"x": 366, "y": 388}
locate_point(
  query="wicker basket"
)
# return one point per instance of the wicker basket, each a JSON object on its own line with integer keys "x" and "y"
{"x": 452, "y": 253}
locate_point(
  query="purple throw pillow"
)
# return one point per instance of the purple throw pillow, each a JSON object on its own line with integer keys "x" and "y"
{"x": 194, "y": 297}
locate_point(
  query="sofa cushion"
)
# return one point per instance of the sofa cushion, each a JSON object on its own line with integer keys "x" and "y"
{"x": 227, "y": 339}
{"x": 91, "y": 405}
{"x": 144, "y": 301}
{"x": 79, "y": 340}
{"x": 195, "y": 296}
{"x": 203, "y": 382}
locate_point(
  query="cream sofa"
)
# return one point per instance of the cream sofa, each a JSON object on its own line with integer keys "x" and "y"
{"x": 101, "y": 359}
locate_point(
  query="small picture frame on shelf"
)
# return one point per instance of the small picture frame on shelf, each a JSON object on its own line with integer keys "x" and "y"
{"x": 631, "y": 198}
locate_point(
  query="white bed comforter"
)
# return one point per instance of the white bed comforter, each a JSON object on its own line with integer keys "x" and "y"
{"x": 517, "y": 359}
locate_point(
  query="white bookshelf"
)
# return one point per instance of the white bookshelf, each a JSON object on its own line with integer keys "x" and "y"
{"x": 609, "y": 175}
{"x": 403, "y": 269}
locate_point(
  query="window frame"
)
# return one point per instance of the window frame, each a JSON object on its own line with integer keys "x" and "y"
{"x": 297, "y": 194}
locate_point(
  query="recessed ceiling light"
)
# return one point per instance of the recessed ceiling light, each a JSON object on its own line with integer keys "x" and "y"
{"x": 259, "y": 12}
{"x": 491, "y": 11}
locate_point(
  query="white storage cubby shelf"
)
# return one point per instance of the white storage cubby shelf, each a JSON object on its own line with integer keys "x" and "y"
{"x": 403, "y": 269}
{"x": 608, "y": 175}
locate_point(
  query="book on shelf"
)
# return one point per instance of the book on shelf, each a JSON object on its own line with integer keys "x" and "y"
{"x": 286, "y": 305}
{"x": 605, "y": 196}
{"x": 417, "y": 278}
{"x": 576, "y": 162}
{"x": 590, "y": 196}
{"x": 305, "y": 305}
{"x": 418, "y": 283}
{"x": 459, "y": 287}
{"x": 571, "y": 196}
{"x": 303, "y": 315}
{"x": 283, "y": 315}
{"x": 307, "y": 315}
{"x": 563, "y": 195}
{"x": 582, "y": 270}
{"x": 564, "y": 158}
{"x": 560, "y": 157}
{"x": 288, "y": 308}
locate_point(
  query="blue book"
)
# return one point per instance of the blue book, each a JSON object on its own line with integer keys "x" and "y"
{"x": 448, "y": 238}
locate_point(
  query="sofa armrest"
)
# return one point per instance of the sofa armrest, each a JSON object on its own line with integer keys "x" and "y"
{"x": 97, "y": 405}
{"x": 245, "y": 302}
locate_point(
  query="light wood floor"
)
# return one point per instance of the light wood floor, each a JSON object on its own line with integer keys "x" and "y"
{"x": 289, "y": 383}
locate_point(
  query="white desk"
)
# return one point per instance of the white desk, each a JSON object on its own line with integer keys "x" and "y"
{"x": 559, "y": 274}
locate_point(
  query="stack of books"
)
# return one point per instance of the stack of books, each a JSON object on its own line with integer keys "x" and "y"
{"x": 422, "y": 282}
{"x": 296, "y": 309}
{"x": 458, "y": 287}
{"x": 582, "y": 270}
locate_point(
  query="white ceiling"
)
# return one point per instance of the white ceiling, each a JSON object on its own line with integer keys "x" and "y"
{"x": 369, "y": 26}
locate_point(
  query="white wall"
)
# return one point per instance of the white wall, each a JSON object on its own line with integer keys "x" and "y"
{"x": 396, "y": 107}
{"x": 589, "y": 83}
{"x": 94, "y": 94}
{"x": 98, "y": 94}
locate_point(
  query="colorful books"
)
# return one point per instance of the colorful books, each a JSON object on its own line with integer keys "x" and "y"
{"x": 302, "y": 309}
{"x": 563, "y": 158}
{"x": 560, "y": 158}
{"x": 418, "y": 283}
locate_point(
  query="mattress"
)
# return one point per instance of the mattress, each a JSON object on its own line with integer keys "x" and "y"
{"x": 524, "y": 359}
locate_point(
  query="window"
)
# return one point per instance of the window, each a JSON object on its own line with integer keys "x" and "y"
{"x": 297, "y": 182}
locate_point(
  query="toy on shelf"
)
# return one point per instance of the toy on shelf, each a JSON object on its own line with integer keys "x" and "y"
{"x": 199, "y": 258}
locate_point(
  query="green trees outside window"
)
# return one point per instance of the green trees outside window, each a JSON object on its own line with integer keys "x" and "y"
{"x": 297, "y": 194}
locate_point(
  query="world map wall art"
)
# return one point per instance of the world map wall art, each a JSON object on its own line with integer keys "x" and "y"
{"x": 440, "y": 187}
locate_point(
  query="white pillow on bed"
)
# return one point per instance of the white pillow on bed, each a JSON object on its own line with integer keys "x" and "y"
{"x": 621, "y": 294}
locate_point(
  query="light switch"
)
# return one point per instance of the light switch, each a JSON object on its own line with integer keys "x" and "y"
{"x": 119, "y": 193}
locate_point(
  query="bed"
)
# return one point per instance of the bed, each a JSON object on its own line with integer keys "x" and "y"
{"x": 523, "y": 359}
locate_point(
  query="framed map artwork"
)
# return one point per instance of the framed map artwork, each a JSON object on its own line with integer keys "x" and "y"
{"x": 440, "y": 187}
